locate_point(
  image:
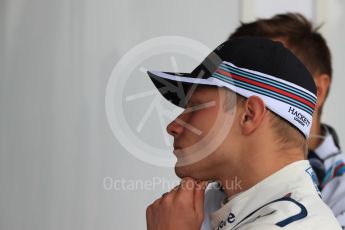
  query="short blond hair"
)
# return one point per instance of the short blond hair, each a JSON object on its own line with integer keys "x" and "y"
{"x": 287, "y": 135}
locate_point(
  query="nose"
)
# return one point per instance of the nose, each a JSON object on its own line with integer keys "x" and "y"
{"x": 175, "y": 128}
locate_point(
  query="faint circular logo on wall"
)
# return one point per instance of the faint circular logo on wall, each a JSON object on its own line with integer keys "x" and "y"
{"x": 138, "y": 114}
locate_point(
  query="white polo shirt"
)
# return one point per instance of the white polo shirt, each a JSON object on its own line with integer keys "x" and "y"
{"x": 287, "y": 199}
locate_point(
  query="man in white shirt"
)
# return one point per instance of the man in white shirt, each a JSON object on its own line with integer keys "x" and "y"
{"x": 248, "y": 112}
{"x": 325, "y": 155}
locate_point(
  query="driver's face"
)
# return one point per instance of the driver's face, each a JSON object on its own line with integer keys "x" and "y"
{"x": 190, "y": 127}
{"x": 197, "y": 118}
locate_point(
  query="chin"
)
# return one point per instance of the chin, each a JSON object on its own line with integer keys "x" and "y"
{"x": 181, "y": 172}
{"x": 186, "y": 171}
{"x": 189, "y": 171}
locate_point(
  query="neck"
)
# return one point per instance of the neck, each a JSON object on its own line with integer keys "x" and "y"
{"x": 259, "y": 167}
{"x": 314, "y": 142}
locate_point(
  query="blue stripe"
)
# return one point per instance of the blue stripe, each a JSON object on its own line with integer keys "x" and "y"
{"x": 337, "y": 163}
{"x": 302, "y": 214}
{"x": 327, "y": 177}
{"x": 273, "y": 83}
{"x": 330, "y": 172}
{"x": 264, "y": 92}
{"x": 291, "y": 100}
{"x": 266, "y": 80}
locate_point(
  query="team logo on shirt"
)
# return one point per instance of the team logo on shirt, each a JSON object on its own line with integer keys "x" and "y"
{"x": 229, "y": 220}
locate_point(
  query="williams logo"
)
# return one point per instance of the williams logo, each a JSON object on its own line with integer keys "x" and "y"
{"x": 299, "y": 117}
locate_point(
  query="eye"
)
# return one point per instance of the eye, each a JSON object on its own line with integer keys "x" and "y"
{"x": 190, "y": 107}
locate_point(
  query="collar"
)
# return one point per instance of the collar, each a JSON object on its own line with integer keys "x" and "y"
{"x": 295, "y": 177}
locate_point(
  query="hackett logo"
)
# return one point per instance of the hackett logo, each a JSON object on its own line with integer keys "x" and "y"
{"x": 300, "y": 118}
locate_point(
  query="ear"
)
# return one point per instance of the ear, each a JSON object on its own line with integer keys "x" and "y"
{"x": 254, "y": 110}
{"x": 322, "y": 83}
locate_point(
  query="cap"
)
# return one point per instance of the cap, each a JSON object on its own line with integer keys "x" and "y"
{"x": 250, "y": 66}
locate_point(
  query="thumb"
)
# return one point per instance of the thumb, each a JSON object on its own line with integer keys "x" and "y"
{"x": 199, "y": 195}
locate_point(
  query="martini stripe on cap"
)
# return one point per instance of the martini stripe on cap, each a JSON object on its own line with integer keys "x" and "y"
{"x": 264, "y": 92}
{"x": 270, "y": 94}
{"x": 266, "y": 80}
{"x": 263, "y": 85}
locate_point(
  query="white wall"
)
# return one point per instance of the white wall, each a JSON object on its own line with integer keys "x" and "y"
{"x": 335, "y": 34}
{"x": 56, "y": 146}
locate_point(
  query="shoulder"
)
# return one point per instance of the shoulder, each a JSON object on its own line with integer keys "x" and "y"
{"x": 297, "y": 226}
{"x": 289, "y": 213}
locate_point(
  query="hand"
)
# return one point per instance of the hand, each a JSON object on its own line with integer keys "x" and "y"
{"x": 181, "y": 208}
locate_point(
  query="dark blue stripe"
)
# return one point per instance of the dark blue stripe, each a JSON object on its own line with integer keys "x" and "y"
{"x": 238, "y": 82}
{"x": 269, "y": 94}
{"x": 270, "y": 82}
{"x": 273, "y": 82}
{"x": 302, "y": 214}
{"x": 266, "y": 93}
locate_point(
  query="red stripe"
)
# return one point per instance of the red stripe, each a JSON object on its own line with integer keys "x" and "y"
{"x": 337, "y": 169}
{"x": 262, "y": 85}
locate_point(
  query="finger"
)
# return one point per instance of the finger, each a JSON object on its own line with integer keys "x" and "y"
{"x": 187, "y": 186}
{"x": 173, "y": 191}
{"x": 155, "y": 203}
{"x": 149, "y": 215}
{"x": 185, "y": 192}
{"x": 164, "y": 194}
{"x": 175, "y": 188}
{"x": 164, "y": 198}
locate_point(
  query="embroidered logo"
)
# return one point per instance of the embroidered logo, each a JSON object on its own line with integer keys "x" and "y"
{"x": 299, "y": 117}
{"x": 230, "y": 219}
